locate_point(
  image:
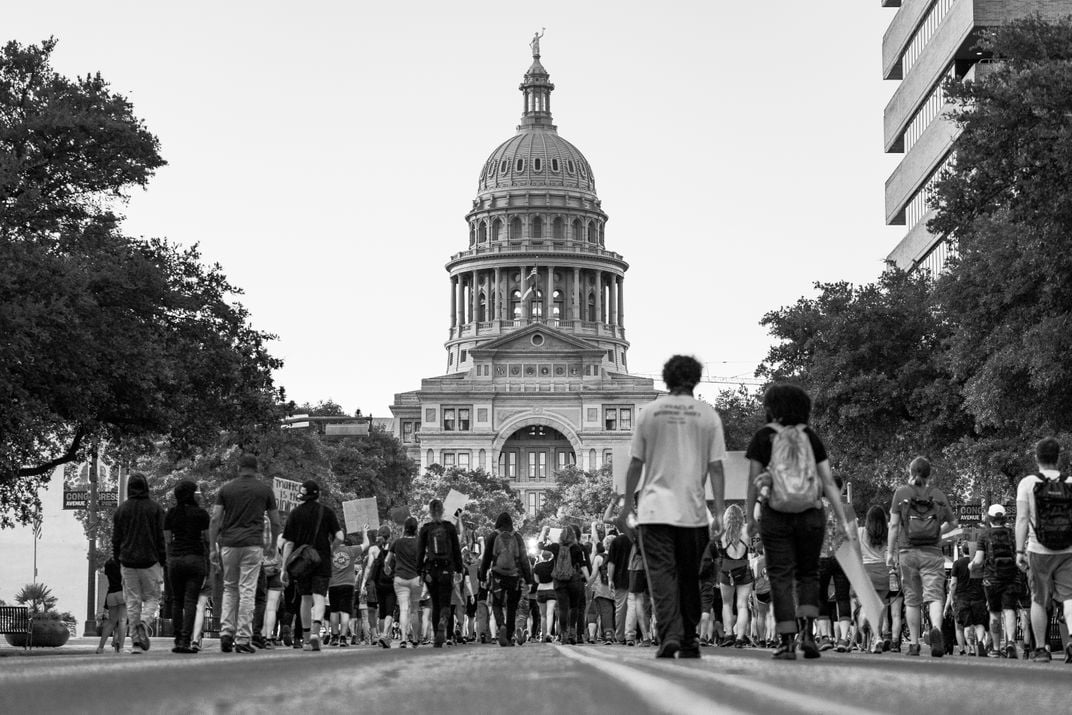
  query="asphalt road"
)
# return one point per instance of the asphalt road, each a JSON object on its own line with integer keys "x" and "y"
{"x": 535, "y": 678}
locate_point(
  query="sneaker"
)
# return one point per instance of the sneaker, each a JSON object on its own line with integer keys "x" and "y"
{"x": 179, "y": 648}
{"x": 344, "y": 642}
{"x": 740, "y": 643}
{"x": 355, "y": 641}
{"x": 646, "y": 643}
{"x": 842, "y": 646}
{"x": 877, "y": 648}
{"x": 258, "y": 642}
{"x": 520, "y": 636}
{"x": 314, "y": 642}
{"x": 1010, "y": 651}
{"x": 143, "y": 636}
{"x": 244, "y": 648}
{"x": 1041, "y": 655}
{"x": 826, "y": 643}
{"x": 630, "y": 643}
{"x": 704, "y": 642}
{"x": 383, "y": 642}
{"x": 937, "y": 643}
{"x": 785, "y": 651}
{"x": 913, "y": 649}
{"x": 404, "y": 645}
{"x": 284, "y": 635}
{"x": 668, "y": 649}
{"x": 993, "y": 652}
{"x": 807, "y": 644}
{"x": 546, "y": 639}
{"x": 226, "y": 643}
{"x": 296, "y": 644}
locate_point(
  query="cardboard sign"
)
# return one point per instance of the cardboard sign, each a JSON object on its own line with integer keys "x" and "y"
{"x": 553, "y": 534}
{"x": 358, "y": 512}
{"x": 620, "y": 458}
{"x": 848, "y": 555}
{"x": 455, "y": 500}
{"x": 286, "y": 493}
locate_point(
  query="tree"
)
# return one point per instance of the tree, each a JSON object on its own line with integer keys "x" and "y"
{"x": 871, "y": 358}
{"x": 373, "y": 465}
{"x": 742, "y": 416}
{"x": 577, "y": 496}
{"x": 105, "y": 337}
{"x": 489, "y": 496}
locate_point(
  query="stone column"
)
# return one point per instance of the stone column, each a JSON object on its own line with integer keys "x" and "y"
{"x": 576, "y": 311}
{"x": 472, "y": 296}
{"x": 453, "y": 302}
{"x": 621, "y": 301}
{"x": 599, "y": 296}
{"x": 612, "y": 300}
{"x": 459, "y": 299}
{"x": 497, "y": 293}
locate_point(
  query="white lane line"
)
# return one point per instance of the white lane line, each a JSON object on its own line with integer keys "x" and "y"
{"x": 765, "y": 690}
{"x": 660, "y": 695}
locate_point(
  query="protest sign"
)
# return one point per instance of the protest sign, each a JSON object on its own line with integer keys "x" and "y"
{"x": 851, "y": 561}
{"x": 455, "y": 500}
{"x": 358, "y": 512}
{"x": 286, "y": 493}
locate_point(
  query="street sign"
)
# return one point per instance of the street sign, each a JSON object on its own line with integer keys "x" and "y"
{"x": 79, "y": 498}
{"x": 969, "y": 514}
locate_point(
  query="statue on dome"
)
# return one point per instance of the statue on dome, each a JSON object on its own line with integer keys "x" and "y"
{"x": 535, "y": 44}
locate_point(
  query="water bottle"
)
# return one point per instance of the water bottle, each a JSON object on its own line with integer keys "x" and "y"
{"x": 895, "y": 581}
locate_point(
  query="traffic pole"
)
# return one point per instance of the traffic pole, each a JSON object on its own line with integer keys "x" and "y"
{"x": 91, "y": 585}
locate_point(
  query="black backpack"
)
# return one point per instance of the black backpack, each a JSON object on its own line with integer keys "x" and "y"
{"x": 1053, "y": 512}
{"x": 922, "y": 524}
{"x": 437, "y": 543}
{"x": 378, "y": 574}
{"x": 1001, "y": 554}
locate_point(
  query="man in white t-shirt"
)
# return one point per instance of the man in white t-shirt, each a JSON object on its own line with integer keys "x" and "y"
{"x": 1049, "y": 569}
{"x": 677, "y": 444}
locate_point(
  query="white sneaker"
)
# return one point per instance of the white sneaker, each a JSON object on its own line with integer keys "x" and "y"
{"x": 314, "y": 642}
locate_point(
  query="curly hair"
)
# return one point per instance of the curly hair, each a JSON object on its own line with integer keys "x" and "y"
{"x": 787, "y": 404}
{"x": 682, "y": 371}
{"x": 732, "y": 524}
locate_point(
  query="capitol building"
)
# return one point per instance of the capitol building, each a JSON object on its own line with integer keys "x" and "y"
{"x": 536, "y": 357}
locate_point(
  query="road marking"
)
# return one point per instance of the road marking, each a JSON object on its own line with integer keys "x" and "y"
{"x": 659, "y": 694}
{"x": 765, "y": 689}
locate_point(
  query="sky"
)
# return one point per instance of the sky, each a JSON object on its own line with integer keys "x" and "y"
{"x": 325, "y": 155}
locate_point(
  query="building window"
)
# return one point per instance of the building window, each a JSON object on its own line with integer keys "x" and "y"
{"x": 537, "y": 164}
{"x": 558, "y": 228}
{"x": 578, "y": 232}
{"x": 448, "y": 459}
{"x": 564, "y": 459}
{"x": 554, "y": 165}
{"x": 504, "y": 166}
{"x": 536, "y": 306}
{"x": 448, "y": 419}
{"x": 537, "y": 227}
{"x": 625, "y": 418}
{"x": 463, "y": 460}
{"x": 463, "y": 419}
{"x": 533, "y": 502}
{"x": 508, "y": 465}
{"x": 591, "y": 307}
{"x": 924, "y": 33}
{"x": 610, "y": 419}
{"x": 570, "y": 166}
{"x": 408, "y": 431}
{"x": 496, "y": 230}
{"x": 515, "y": 228}
{"x": 519, "y": 165}
{"x": 537, "y": 465}
{"x": 461, "y": 358}
{"x": 591, "y": 232}
{"x": 608, "y": 458}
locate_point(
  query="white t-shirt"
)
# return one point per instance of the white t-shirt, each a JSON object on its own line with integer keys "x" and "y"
{"x": 676, "y": 437}
{"x": 871, "y": 554}
{"x": 1025, "y": 500}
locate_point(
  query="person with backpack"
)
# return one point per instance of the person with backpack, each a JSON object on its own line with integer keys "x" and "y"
{"x": 996, "y": 555}
{"x": 919, "y": 514}
{"x": 504, "y": 567}
{"x": 380, "y": 587}
{"x": 602, "y": 614}
{"x": 967, "y": 603}
{"x": 678, "y": 444}
{"x": 310, "y": 530}
{"x": 789, "y": 473}
{"x": 1044, "y": 541}
{"x": 569, "y": 573}
{"x": 439, "y": 559}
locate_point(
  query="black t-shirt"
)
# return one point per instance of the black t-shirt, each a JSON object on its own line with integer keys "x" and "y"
{"x": 115, "y": 575}
{"x": 299, "y": 529}
{"x": 619, "y": 556}
{"x": 759, "y": 448}
{"x": 542, "y": 571}
{"x": 186, "y": 524}
{"x": 968, "y": 588}
{"x": 244, "y": 499}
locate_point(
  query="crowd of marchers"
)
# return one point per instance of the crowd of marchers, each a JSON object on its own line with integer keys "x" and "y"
{"x": 665, "y": 568}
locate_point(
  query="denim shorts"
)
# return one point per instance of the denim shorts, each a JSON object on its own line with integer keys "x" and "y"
{"x": 922, "y": 576}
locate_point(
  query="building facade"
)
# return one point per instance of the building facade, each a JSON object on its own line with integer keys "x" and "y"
{"x": 927, "y": 42}
{"x": 536, "y": 373}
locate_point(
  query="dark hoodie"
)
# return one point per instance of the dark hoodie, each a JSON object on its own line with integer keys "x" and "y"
{"x": 138, "y": 533}
{"x": 504, "y": 529}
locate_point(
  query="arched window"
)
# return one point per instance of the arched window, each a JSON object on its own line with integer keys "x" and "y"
{"x": 496, "y": 230}
{"x": 482, "y": 309}
{"x": 570, "y": 166}
{"x": 554, "y": 165}
{"x": 602, "y": 228}
{"x": 591, "y": 232}
{"x": 504, "y": 166}
{"x": 536, "y": 305}
{"x": 591, "y": 308}
{"x": 515, "y": 304}
{"x": 558, "y": 228}
{"x": 472, "y": 235}
{"x": 537, "y": 227}
{"x": 515, "y": 229}
{"x": 578, "y": 232}
{"x": 483, "y": 234}
{"x": 537, "y": 164}
{"x": 519, "y": 165}
{"x": 556, "y": 310}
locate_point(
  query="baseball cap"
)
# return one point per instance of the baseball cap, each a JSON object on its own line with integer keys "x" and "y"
{"x": 309, "y": 490}
{"x": 995, "y": 510}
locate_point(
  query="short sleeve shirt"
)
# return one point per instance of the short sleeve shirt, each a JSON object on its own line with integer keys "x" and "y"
{"x": 300, "y": 530}
{"x": 908, "y": 491}
{"x": 762, "y": 443}
{"x": 1025, "y": 497}
{"x": 405, "y": 550}
{"x": 343, "y": 559}
{"x": 969, "y": 583}
{"x": 186, "y": 524}
{"x": 676, "y": 437}
{"x": 619, "y": 556}
{"x": 244, "y": 500}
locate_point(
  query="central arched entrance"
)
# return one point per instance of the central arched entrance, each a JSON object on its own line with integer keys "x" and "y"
{"x": 529, "y": 458}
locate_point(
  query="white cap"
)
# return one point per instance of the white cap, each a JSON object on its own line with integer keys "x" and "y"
{"x": 995, "y": 510}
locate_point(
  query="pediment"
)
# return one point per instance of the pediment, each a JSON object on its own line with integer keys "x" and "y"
{"x": 537, "y": 339}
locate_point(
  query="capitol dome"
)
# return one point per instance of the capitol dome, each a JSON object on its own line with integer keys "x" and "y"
{"x": 536, "y": 156}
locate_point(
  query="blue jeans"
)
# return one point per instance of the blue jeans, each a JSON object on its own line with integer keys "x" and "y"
{"x": 241, "y": 569}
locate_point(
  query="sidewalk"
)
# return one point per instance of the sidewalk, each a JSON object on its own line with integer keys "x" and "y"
{"x": 78, "y": 646}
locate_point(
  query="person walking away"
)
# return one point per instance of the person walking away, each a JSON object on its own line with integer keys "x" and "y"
{"x": 1044, "y": 541}
{"x": 996, "y": 553}
{"x": 761, "y": 596}
{"x": 236, "y": 541}
{"x": 115, "y": 621}
{"x": 735, "y": 577}
{"x": 967, "y": 602}
{"x": 830, "y": 570}
{"x": 545, "y": 593}
{"x": 139, "y": 547}
{"x": 919, "y": 515}
{"x": 341, "y": 587}
{"x": 505, "y": 567}
{"x": 602, "y": 594}
{"x": 186, "y": 533}
{"x": 873, "y": 536}
{"x": 439, "y": 559}
{"x": 311, "y": 524}
{"x": 618, "y": 573}
{"x": 381, "y": 582}
{"x": 275, "y": 611}
{"x": 637, "y": 616}
{"x": 571, "y": 569}
{"x": 677, "y": 444}
{"x": 368, "y": 583}
{"x": 402, "y": 558}
{"x": 790, "y": 470}
{"x": 710, "y": 592}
